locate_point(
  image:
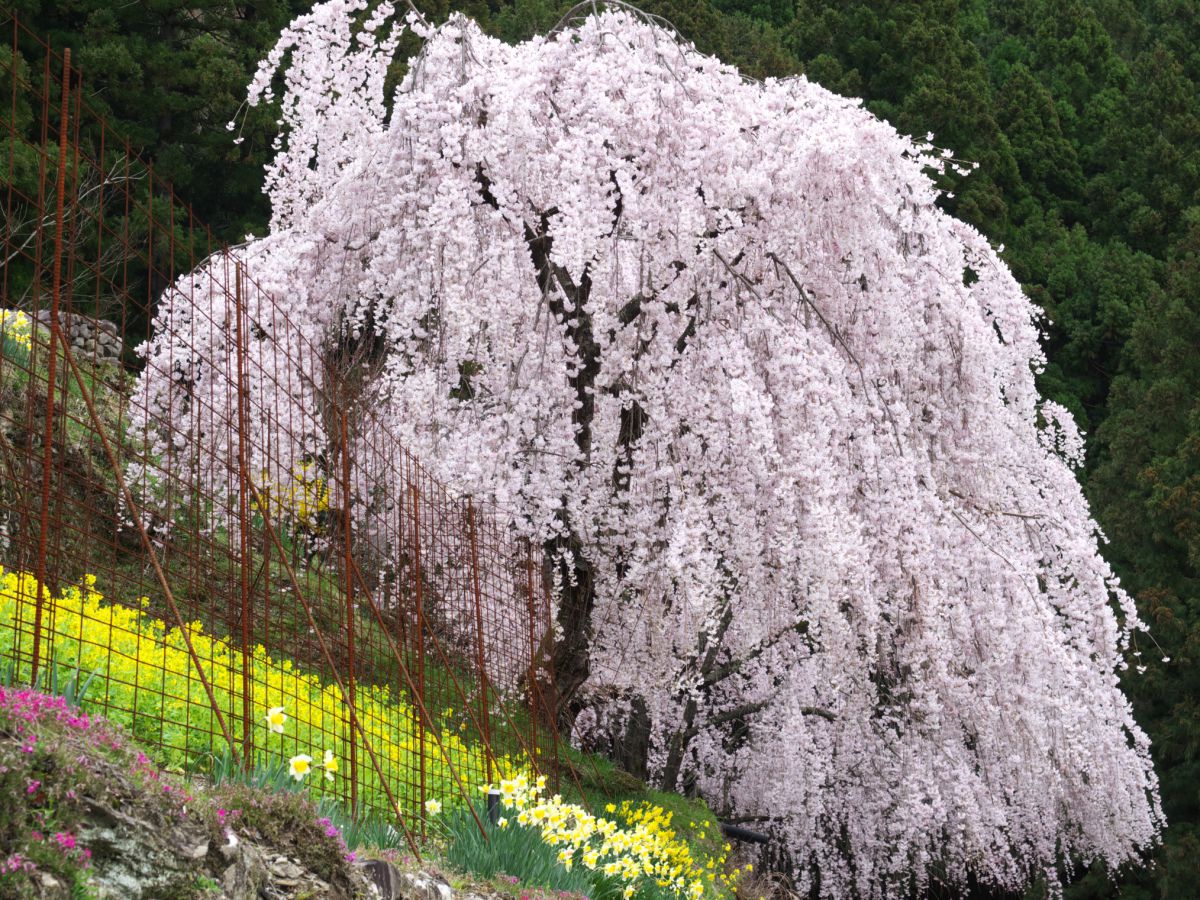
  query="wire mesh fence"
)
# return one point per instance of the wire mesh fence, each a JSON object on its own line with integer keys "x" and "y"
{"x": 200, "y": 509}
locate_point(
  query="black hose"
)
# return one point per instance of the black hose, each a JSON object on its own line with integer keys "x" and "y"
{"x": 738, "y": 833}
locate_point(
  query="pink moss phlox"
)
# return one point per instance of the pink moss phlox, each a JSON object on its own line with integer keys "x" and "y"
{"x": 65, "y": 839}
{"x": 32, "y": 707}
{"x": 16, "y": 863}
{"x": 332, "y": 831}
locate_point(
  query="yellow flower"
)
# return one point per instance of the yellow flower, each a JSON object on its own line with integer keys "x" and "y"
{"x": 330, "y": 765}
{"x": 299, "y": 766}
{"x": 17, "y": 326}
{"x": 503, "y": 823}
{"x": 275, "y": 719}
{"x": 433, "y": 807}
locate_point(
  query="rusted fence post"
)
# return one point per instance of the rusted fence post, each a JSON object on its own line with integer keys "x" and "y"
{"x": 548, "y": 656}
{"x": 418, "y": 583}
{"x": 534, "y": 690}
{"x": 348, "y": 593}
{"x": 484, "y": 712}
{"x": 52, "y": 368}
{"x": 243, "y": 418}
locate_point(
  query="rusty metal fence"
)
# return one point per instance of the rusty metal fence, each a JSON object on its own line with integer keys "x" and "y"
{"x": 203, "y": 554}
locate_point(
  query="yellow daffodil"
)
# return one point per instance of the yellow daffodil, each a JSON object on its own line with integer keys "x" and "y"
{"x": 17, "y": 326}
{"x": 299, "y": 766}
{"x": 276, "y": 718}
{"x": 329, "y": 765}
{"x": 433, "y": 807}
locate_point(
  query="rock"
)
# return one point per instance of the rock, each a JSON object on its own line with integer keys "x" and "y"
{"x": 383, "y": 876}
{"x": 389, "y": 883}
{"x": 246, "y": 873}
{"x": 282, "y": 867}
{"x": 52, "y": 887}
{"x": 424, "y": 886}
{"x": 134, "y": 858}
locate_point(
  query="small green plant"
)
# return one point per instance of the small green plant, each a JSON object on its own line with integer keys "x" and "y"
{"x": 71, "y": 689}
{"x": 365, "y": 830}
{"x": 207, "y": 885}
{"x": 50, "y": 681}
{"x": 263, "y": 774}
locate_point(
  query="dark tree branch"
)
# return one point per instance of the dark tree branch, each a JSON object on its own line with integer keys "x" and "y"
{"x": 720, "y": 673}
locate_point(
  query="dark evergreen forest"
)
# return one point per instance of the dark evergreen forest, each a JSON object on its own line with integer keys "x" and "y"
{"x": 1085, "y": 119}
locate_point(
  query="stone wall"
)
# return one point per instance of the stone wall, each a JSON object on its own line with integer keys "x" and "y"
{"x": 98, "y": 340}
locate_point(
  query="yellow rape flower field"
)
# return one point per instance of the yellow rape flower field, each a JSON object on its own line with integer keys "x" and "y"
{"x": 145, "y": 681}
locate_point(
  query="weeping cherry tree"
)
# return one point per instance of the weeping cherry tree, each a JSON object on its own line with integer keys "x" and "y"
{"x": 817, "y": 546}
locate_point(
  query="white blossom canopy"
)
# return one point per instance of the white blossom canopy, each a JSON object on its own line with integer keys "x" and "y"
{"x": 719, "y": 334}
